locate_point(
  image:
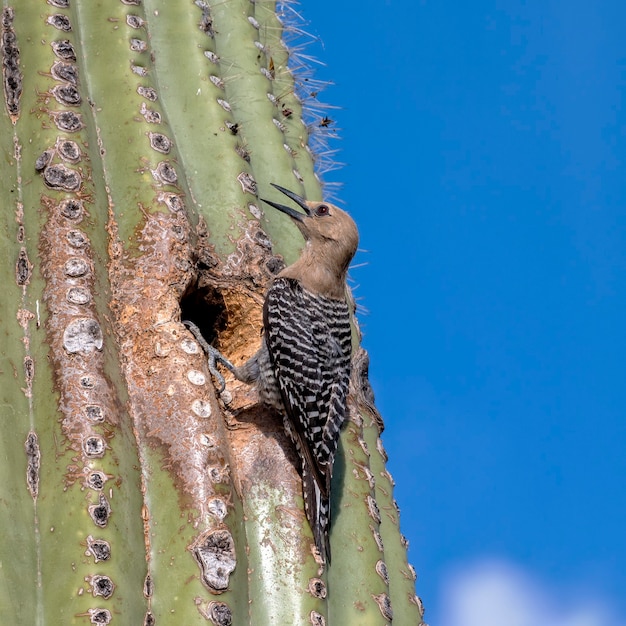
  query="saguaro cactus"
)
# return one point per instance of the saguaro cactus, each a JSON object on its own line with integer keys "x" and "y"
{"x": 136, "y": 137}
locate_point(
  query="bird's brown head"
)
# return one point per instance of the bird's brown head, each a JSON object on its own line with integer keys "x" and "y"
{"x": 330, "y": 232}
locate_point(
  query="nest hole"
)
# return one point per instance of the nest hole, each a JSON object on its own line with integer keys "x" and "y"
{"x": 205, "y": 307}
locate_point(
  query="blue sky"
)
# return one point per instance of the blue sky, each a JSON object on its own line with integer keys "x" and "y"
{"x": 485, "y": 165}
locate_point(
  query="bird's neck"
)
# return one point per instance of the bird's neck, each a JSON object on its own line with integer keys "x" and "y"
{"x": 319, "y": 273}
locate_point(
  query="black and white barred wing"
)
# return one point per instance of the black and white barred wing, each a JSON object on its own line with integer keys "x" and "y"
{"x": 309, "y": 342}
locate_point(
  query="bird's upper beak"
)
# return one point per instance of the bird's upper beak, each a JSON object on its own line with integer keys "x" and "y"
{"x": 288, "y": 210}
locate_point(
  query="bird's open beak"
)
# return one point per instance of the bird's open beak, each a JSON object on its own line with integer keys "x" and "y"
{"x": 288, "y": 210}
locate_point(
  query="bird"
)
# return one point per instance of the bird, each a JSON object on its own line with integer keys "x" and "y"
{"x": 302, "y": 368}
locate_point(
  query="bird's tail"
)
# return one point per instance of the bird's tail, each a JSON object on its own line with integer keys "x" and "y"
{"x": 317, "y": 507}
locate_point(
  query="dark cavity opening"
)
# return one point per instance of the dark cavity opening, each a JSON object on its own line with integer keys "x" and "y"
{"x": 205, "y": 307}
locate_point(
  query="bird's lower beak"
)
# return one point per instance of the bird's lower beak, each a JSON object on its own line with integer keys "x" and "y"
{"x": 299, "y": 200}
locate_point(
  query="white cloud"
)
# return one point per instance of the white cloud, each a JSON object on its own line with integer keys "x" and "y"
{"x": 495, "y": 593}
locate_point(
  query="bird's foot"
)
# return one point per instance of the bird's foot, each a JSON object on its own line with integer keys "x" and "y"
{"x": 214, "y": 356}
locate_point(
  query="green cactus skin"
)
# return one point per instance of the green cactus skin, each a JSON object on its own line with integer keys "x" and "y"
{"x": 136, "y": 139}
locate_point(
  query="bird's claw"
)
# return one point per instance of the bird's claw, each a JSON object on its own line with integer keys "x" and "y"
{"x": 214, "y": 356}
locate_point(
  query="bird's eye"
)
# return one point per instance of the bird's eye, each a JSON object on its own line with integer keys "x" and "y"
{"x": 322, "y": 209}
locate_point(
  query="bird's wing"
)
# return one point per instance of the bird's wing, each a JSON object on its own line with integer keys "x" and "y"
{"x": 309, "y": 343}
